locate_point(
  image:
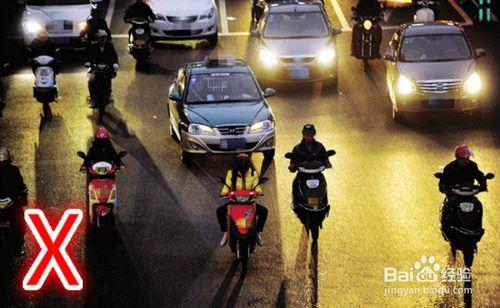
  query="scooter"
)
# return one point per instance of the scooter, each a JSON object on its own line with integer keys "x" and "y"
{"x": 45, "y": 87}
{"x": 461, "y": 221}
{"x": 103, "y": 75}
{"x": 310, "y": 198}
{"x": 424, "y": 12}
{"x": 139, "y": 41}
{"x": 7, "y": 228}
{"x": 241, "y": 213}
{"x": 102, "y": 195}
{"x": 366, "y": 38}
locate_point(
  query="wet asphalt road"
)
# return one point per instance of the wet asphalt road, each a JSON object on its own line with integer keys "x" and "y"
{"x": 385, "y": 202}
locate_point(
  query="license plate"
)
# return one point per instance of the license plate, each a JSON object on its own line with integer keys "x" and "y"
{"x": 232, "y": 144}
{"x": 60, "y": 40}
{"x": 440, "y": 103}
{"x": 140, "y": 42}
{"x": 313, "y": 201}
{"x": 302, "y": 73}
{"x": 4, "y": 225}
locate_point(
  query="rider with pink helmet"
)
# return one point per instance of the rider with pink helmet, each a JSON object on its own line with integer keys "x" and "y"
{"x": 102, "y": 150}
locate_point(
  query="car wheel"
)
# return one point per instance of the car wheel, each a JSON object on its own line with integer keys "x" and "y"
{"x": 213, "y": 39}
{"x": 269, "y": 155}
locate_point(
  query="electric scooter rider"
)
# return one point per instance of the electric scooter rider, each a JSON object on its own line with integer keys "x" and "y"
{"x": 461, "y": 171}
{"x": 94, "y": 24}
{"x": 102, "y": 150}
{"x": 139, "y": 10}
{"x": 12, "y": 186}
{"x": 307, "y": 150}
{"x": 242, "y": 176}
{"x": 103, "y": 52}
{"x": 42, "y": 46}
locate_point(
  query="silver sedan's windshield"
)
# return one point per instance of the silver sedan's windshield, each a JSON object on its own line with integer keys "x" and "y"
{"x": 222, "y": 87}
{"x": 435, "y": 48}
{"x": 295, "y": 25}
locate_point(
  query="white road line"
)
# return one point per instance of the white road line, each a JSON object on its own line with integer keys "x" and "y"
{"x": 111, "y": 10}
{"x": 468, "y": 20}
{"x": 223, "y": 17}
{"x": 340, "y": 15}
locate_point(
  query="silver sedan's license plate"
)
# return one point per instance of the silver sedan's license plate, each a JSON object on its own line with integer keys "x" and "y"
{"x": 4, "y": 225}
{"x": 232, "y": 144}
{"x": 302, "y": 73}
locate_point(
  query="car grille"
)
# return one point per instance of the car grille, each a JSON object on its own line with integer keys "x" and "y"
{"x": 439, "y": 86}
{"x": 298, "y": 60}
{"x": 181, "y": 20}
{"x": 216, "y": 147}
{"x": 182, "y": 32}
{"x": 56, "y": 26}
{"x": 232, "y": 130}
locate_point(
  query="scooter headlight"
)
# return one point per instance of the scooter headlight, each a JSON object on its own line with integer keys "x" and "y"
{"x": 367, "y": 24}
{"x": 242, "y": 199}
{"x": 312, "y": 184}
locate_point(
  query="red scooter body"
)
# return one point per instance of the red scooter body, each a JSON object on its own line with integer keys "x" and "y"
{"x": 242, "y": 215}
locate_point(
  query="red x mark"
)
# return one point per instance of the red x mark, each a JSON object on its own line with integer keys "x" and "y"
{"x": 53, "y": 253}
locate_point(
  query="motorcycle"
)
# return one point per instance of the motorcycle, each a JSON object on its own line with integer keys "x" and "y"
{"x": 310, "y": 198}
{"x": 6, "y": 223}
{"x": 241, "y": 213}
{"x": 102, "y": 95}
{"x": 461, "y": 219}
{"x": 366, "y": 38}
{"x": 45, "y": 87}
{"x": 424, "y": 12}
{"x": 101, "y": 195}
{"x": 139, "y": 41}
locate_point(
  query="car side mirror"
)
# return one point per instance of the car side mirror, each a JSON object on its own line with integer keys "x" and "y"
{"x": 122, "y": 154}
{"x": 269, "y": 92}
{"x": 438, "y": 175}
{"x": 336, "y": 31}
{"x": 479, "y": 52}
{"x": 81, "y": 154}
{"x": 489, "y": 176}
{"x": 330, "y": 153}
{"x": 289, "y": 155}
{"x": 174, "y": 96}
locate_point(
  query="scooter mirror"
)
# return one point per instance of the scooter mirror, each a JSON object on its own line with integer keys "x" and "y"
{"x": 438, "y": 175}
{"x": 81, "y": 154}
{"x": 175, "y": 96}
{"x": 489, "y": 176}
{"x": 269, "y": 92}
{"x": 288, "y": 155}
{"x": 330, "y": 153}
{"x": 122, "y": 154}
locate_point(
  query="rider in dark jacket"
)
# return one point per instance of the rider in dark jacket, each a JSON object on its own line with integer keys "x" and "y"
{"x": 102, "y": 150}
{"x": 369, "y": 8}
{"x": 94, "y": 24}
{"x": 139, "y": 10}
{"x": 12, "y": 186}
{"x": 308, "y": 149}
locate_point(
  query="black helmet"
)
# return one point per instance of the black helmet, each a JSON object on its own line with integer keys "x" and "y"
{"x": 309, "y": 129}
{"x": 242, "y": 163}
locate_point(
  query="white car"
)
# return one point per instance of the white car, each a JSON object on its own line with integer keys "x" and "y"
{"x": 63, "y": 20}
{"x": 184, "y": 20}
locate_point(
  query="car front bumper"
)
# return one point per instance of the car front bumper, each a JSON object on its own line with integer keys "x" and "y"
{"x": 199, "y": 29}
{"x": 66, "y": 41}
{"x": 201, "y": 144}
{"x": 298, "y": 72}
{"x": 435, "y": 102}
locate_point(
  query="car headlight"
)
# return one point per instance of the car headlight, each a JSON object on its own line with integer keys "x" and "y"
{"x": 82, "y": 25}
{"x": 267, "y": 57}
{"x": 208, "y": 14}
{"x": 473, "y": 84}
{"x": 159, "y": 17}
{"x": 405, "y": 86}
{"x": 32, "y": 27}
{"x": 263, "y": 126}
{"x": 199, "y": 129}
{"x": 326, "y": 56}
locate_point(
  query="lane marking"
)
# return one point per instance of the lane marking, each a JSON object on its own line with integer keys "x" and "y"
{"x": 458, "y": 8}
{"x": 223, "y": 17}
{"x": 111, "y": 11}
{"x": 340, "y": 15}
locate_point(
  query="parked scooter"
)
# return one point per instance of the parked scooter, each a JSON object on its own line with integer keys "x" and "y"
{"x": 102, "y": 96}
{"x": 241, "y": 213}
{"x": 139, "y": 41}
{"x": 45, "y": 88}
{"x": 366, "y": 38}
{"x": 461, "y": 220}
{"x": 101, "y": 195}
{"x": 310, "y": 200}
{"x": 425, "y": 11}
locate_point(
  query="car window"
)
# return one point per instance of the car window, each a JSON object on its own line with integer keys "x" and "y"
{"x": 56, "y": 2}
{"x": 296, "y": 25}
{"x": 222, "y": 87}
{"x": 435, "y": 48}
